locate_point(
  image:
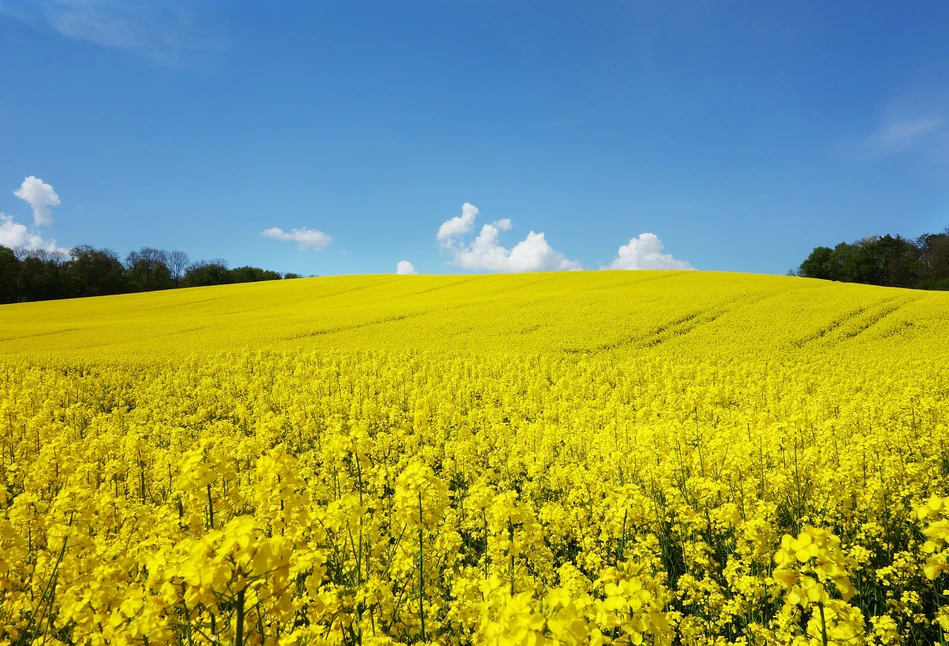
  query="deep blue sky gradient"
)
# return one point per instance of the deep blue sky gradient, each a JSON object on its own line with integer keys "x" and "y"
{"x": 742, "y": 134}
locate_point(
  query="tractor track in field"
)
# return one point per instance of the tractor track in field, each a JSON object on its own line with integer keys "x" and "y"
{"x": 888, "y": 309}
{"x": 830, "y": 327}
{"x": 677, "y": 327}
{"x": 353, "y": 326}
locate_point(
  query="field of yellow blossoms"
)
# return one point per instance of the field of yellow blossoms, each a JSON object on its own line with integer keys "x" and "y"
{"x": 579, "y": 458}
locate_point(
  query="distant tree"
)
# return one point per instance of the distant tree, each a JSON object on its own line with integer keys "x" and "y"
{"x": 9, "y": 276}
{"x": 934, "y": 255}
{"x": 291, "y": 275}
{"x": 850, "y": 263}
{"x": 897, "y": 261}
{"x": 43, "y": 276}
{"x": 817, "y": 265}
{"x": 37, "y": 274}
{"x": 177, "y": 264}
{"x": 148, "y": 269}
{"x": 251, "y": 275}
{"x": 204, "y": 273}
{"x": 891, "y": 261}
{"x": 95, "y": 272}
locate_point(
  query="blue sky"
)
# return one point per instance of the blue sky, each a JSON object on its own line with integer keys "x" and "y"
{"x": 740, "y": 135}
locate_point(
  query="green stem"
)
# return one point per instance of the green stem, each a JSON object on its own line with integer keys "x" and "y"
{"x": 823, "y": 624}
{"x": 49, "y": 589}
{"x": 239, "y": 638}
{"x": 421, "y": 578}
{"x": 210, "y": 509}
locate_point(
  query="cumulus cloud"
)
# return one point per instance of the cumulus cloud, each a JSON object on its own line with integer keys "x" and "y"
{"x": 457, "y": 226}
{"x": 405, "y": 267}
{"x": 533, "y": 253}
{"x": 305, "y": 238}
{"x": 645, "y": 252}
{"x": 14, "y": 235}
{"x": 40, "y": 196}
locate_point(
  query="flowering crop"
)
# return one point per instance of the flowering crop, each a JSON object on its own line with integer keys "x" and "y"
{"x": 642, "y": 457}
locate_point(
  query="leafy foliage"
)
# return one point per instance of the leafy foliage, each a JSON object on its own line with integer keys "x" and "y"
{"x": 85, "y": 271}
{"x": 891, "y": 261}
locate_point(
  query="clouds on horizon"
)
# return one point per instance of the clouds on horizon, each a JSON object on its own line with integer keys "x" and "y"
{"x": 533, "y": 253}
{"x": 14, "y": 235}
{"x": 304, "y": 237}
{"x": 486, "y": 252}
{"x": 41, "y": 197}
{"x": 645, "y": 252}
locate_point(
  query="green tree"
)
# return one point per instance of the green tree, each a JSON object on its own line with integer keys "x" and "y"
{"x": 178, "y": 264}
{"x": 891, "y": 261}
{"x": 204, "y": 273}
{"x": 43, "y": 276}
{"x": 251, "y": 275}
{"x": 934, "y": 259}
{"x": 9, "y": 276}
{"x": 96, "y": 272}
{"x": 816, "y": 265}
{"x": 148, "y": 270}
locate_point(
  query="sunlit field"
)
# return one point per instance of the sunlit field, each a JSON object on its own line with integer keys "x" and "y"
{"x": 570, "y": 458}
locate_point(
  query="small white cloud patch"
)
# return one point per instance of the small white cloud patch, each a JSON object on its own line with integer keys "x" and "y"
{"x": 304, "y": 237}
{"x": 645, "y": 252}
{"x": 457, "y": 226}
{"x": 504, "y": 224}
{"x": 904, "y": 134}
{"x": 14, "y": 235}
{"x": 405, "y": 267}
{"x": 165, "y": 33}
{"x": 533, "y": 253}
{"x": 40, "y": 196}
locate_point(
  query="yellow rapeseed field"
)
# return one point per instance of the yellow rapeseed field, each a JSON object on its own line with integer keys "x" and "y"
{"x": 576, "y": 458}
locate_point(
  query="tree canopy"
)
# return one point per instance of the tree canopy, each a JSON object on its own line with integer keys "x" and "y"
{"x": 85, "y": 271}
{"x": 890, "y": 261}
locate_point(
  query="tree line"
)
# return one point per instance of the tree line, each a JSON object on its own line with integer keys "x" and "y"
{"x": 891, "y": 261}
{"x": 35, "y": 275}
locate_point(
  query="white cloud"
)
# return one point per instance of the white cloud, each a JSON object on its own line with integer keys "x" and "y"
{"x": 165, "y": 32}
{"x": 40, "y": 196}
{"x": 306, "y": 238}
{"x": 645, "y": 252}
{"x": 533, "y": 253}
{"x": 14, "y": 235}
{"x": 458, "y": 226}
{"x": 900, "y": 135}
{"x": 405, "y": 267}
{"x": 504, "y": 224}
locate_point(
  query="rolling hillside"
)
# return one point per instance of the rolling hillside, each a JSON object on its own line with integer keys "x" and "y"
{"x": 574, "y": 458}
{"x": 577, "y": 312}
